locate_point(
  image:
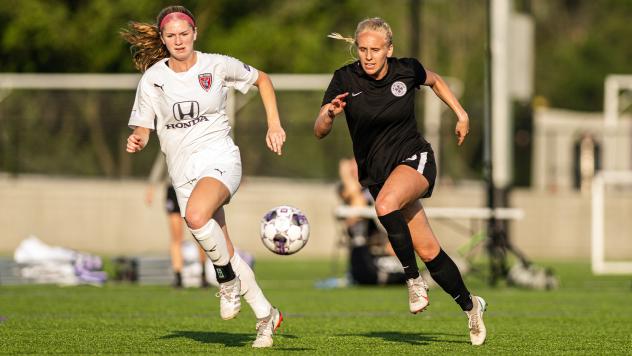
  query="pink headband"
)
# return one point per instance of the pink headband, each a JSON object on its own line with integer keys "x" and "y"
{"x": 178, "y": 16}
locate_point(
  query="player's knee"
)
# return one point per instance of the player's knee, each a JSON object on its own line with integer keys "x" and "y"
{"x": 195, "y": 218}
{"x": 385, "y": 204}
{"x": 428, "y": 254}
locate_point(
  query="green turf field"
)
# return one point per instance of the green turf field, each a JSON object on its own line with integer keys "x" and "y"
{"x": 587, "y": 315}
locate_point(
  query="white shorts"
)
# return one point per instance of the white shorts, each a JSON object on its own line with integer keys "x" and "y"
{"x": 223, "y": 164}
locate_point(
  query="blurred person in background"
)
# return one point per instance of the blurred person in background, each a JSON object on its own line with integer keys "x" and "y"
{"x": 395, "y": 162}
{"x": 157, "y": 177}
{"x": 371, "y": 257}
{"x": 182, "y": 95}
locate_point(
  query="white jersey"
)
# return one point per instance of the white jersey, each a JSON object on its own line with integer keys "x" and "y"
{"x": 188, "y": 109}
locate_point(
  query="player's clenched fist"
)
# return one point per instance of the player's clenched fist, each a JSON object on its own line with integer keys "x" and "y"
{"x": 135, "y": 143}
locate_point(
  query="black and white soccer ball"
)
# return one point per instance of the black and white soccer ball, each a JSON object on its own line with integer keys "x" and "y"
{"x": 284, "y": 230}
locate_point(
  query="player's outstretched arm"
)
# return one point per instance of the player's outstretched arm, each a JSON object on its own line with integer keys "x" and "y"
{"x": 444, "y": 93}
{"x": 325, "y": 120}
{"x": 275, "y": 137}
{"x": 137, "y": 140}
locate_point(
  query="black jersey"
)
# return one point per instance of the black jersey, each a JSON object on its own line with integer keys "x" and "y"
{"x": 380, "y": 115}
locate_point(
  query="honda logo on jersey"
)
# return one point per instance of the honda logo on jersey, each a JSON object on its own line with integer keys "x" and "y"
{"x": 186, "y": 110}
{"x": 206, "y": 79}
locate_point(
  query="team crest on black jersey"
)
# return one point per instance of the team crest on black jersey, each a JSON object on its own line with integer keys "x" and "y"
{"x": 398, "y": 89}
{"x": 206, "y": 79}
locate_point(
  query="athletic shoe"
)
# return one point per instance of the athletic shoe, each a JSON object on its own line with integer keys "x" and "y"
{"x": 417, "y": 294}
{"x": 266, "y": 328}
{"x": 229, "y": 300}
{"x": 478, "y": 333}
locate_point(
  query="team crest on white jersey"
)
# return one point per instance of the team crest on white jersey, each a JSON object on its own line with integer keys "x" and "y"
{"x": 206, "y": 79}
{"x": 398, "y": 89}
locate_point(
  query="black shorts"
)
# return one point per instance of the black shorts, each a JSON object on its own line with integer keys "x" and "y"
{"x": 422, "y": 162}
{"x": 172, "y": 201}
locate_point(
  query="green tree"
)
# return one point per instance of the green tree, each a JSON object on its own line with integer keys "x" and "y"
{"x": 578, "y": 42}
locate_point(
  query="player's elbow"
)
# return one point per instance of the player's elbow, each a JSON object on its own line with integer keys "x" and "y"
{"x": 320, "y": 132}
{"x": 319, "y": 135}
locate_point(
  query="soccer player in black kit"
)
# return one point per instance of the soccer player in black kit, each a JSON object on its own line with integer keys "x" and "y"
{"x": 395, "y": 162}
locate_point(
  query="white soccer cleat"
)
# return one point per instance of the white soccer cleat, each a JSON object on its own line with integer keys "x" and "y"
{"x": 266, "y": 328}
{"x": 478, "y": 333}
{"x": 417, "y": 294}
{"x": 229, "y": 299}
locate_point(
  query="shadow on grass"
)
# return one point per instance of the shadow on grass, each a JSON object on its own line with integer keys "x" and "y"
{"x": 227, "y": 339}
{"x": 412, "y": 338}
{"x": 209, "y": 337}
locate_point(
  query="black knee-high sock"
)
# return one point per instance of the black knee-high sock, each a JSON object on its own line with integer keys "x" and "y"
{"x": 399, "y": 236}
{"x": 445, "y": 272}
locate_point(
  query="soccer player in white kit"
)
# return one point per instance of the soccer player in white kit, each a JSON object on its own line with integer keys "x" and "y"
{"x": 182, "y": 96}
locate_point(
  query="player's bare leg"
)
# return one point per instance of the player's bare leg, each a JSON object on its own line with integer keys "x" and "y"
{"x": 403, "y": 186}
{"x": 444, "y": 271}
{"x": 425, "y": 242}
{"x": 175, "y": 247}
{"x": 207, "y": 198}
{"x": 268, "y": 317}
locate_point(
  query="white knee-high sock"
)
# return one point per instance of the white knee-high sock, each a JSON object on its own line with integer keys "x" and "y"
{"x": 249, "y": 288}
{"x": 211, "y": 238}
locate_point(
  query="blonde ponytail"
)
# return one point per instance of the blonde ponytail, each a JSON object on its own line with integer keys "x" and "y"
{"x": 337, "y": 36}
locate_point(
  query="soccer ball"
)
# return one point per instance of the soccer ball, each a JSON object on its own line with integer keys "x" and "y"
{"x": 284, "y": 230}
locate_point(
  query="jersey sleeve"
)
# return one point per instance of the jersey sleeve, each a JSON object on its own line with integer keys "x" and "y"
{"x": 143, "y": 113}
{"x": 420, "y": 73}
{"x": 334, "y": 89}
{"x": 239, "y": 75}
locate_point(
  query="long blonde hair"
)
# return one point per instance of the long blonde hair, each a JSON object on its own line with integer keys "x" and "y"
{"x": 144, "y": 39}
{"x": 370, "y": 24}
